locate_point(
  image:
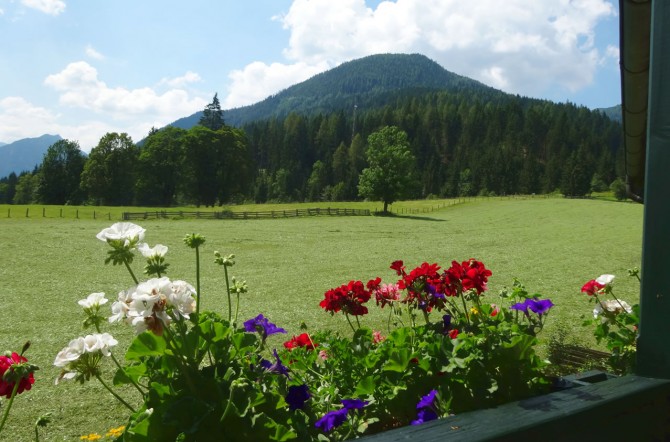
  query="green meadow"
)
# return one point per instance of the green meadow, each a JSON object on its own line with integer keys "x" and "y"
{"x": 49, "y": 262}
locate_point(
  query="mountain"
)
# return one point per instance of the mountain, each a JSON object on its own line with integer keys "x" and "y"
{"x": 25, "y": 154}
{"x": 372, "y": 81}
{"x": 614, "y": 113}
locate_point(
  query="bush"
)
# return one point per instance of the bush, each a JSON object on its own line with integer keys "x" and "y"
{"x": 618, "y": 187}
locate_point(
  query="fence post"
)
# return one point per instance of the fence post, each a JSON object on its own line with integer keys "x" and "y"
{"x": 27, "y": 209}
{"x": 109, "y": 215}
{"x": 61, "y": 212}
{"x": 9, "y": 212}
{"x": 94, "y": 214}
{"x": 43, "y": 213}
{"x": 77, "y": 214}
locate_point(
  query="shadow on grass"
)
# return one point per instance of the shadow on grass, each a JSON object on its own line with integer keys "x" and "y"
{"x": 415, "y": 217}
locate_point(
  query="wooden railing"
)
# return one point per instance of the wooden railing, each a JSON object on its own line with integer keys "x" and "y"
{"x": 227, "y": 214}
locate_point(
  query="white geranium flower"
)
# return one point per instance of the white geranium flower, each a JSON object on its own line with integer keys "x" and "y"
{"x": 93, "y": 300}
{"x": 127, "y": 232}
{"x": 70, "y": 353}
{"x": 99, "y": 342}
{"x": 182, "y": 298}
{"x": 605, "y": 279}
{"x": 146, "y": 309}
{"x": 121, "y": 306}
{"x": 69, "y": 357}
{"x": 612, "y": 306}
{"x": 106, "y": 341}
{"x": 159, "y": 250}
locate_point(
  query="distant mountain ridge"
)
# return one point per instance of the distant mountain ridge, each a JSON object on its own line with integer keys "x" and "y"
{"x": 25, "y": 154}
{"x": 360, "y": 82}
{"x": 614, "y": 113}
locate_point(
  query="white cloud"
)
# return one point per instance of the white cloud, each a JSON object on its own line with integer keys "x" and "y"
{"x": 520, "y": 46}
{"x": 51, "y": 7}
{"x": 259, "y": 80}
{"x": 611, "y": 54}
{"x": 92, "y": 53}
{"x": 178, "y": 82}
{"x": 80, "y": 88}
{"x": 20, "y": 118}
{"x": 99, "y": 108}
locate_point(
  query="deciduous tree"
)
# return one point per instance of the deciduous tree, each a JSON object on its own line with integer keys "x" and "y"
{"x": 60, "y": 174}
{"x": 390, "y": 162}
{"x": 109, "y": 173}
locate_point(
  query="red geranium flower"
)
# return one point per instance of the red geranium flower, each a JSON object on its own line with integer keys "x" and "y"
{"x": 592, "y": 287}
{"x": 476, "y": 276}
{"x": 7, "y": 386}
{"x": 467, "y": 275}
{"x": 349, "y": 297}
{"x": 453, "y": 334}
{"x": 398, "y": 267}
{"x": 302, "y": 340}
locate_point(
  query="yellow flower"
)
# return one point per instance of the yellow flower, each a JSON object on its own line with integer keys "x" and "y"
{"x": 474, "y": 310}
{"x": 92, "y": 436}
{"x": 116, "y": 432}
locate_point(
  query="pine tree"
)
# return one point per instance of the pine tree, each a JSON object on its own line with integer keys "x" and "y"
{"x": 212, "y": 116}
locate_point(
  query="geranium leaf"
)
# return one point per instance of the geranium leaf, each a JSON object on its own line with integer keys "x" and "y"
{"x": 144, "y": 345}
{"x": 365, "y": 386}
{"x": 398, "y": 360}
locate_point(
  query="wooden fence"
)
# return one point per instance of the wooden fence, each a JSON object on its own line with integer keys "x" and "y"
{"x": 227, "y": 214}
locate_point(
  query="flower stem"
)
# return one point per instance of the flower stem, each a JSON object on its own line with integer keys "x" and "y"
{"x": 197, "y": 280}
{"x": 349, "y": 321}
{"x": 116, "y": 362}
{"x": 9, "y": 405}
{"x": 119, "y": 398}
{"x": 132, "y": 275}
{"x": 465, "y": 309}
{"x": 230, "y": 306}
{"x": 237, "y": 309}
{"x": 425, "y": 316}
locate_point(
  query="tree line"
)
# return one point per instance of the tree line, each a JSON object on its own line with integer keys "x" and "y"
{"x": 458, "y": 144}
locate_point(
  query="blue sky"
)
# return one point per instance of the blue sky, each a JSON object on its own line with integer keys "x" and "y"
{"x": 82, "y": 68}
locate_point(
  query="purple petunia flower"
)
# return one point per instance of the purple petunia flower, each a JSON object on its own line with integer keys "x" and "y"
{"x": 426, "y": 407}
{"x": 427, "y": 401}
{"x": 297, "y": 396}
{"x": 261, "y": 325}
{"x": 354, "y": 404}
{"x": 424, "y": 415}
{"x": 447, "y": 323}
{"x": 277, "y": 367}
{"x": 332, "y": 419}
{"x": 434, "y": 293}
{"x": 538, "y": 306}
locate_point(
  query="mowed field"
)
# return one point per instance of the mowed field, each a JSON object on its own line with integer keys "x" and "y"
{"x": 553, "y": 245}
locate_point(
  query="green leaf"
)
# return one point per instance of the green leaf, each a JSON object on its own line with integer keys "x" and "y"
{"x": 144, "y": 345}
{"x": 129, "y": 374}
{"x": 365, "y": 386}
{"x": 398, "y": 360}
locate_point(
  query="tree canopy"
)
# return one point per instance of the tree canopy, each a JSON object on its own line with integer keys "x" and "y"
{"x": 388, "y": 176}
{"x": 60, "y": 174}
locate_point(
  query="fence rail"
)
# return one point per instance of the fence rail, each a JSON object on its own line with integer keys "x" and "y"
{"x": 227, "y": 214}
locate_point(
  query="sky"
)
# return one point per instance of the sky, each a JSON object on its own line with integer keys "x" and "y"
{"x": 83, "y": 68}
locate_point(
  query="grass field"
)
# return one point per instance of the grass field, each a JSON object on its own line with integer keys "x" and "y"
{"x": 552, "y": 245}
